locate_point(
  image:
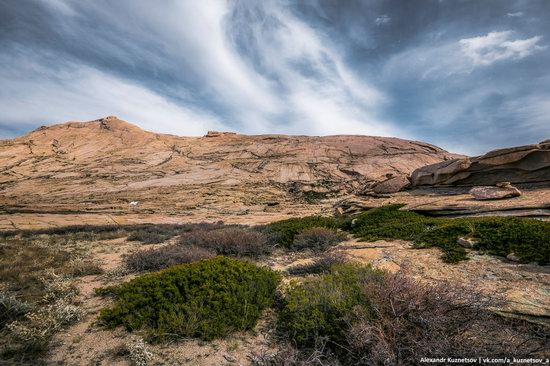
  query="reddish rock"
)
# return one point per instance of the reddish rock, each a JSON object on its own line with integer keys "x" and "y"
{"x": 392, "y": 185}
{"x": 494, "y": 193}
{"x": 520, "y": 164}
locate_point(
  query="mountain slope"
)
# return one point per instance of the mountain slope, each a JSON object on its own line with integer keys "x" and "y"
{"x": 104, "y": 164}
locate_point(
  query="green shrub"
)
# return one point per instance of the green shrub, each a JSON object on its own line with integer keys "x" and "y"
{"x": 529, "y": 239}
{"x": 289, "y": 228}
{"x": 206, "y": 299}
{"x": 388, "y": 222}
{"x": 322, "y": 306}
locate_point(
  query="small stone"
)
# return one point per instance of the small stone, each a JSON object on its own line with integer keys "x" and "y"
{"x": 512, "y": 257}
{"x": 503, "y": 184}
{"x": 467, "y": 242}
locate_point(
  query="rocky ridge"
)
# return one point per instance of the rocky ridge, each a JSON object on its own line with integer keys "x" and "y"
{"x": 106, "y": 164}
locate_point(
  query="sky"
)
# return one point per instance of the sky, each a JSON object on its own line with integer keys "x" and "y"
{"x": 466, "y": 75}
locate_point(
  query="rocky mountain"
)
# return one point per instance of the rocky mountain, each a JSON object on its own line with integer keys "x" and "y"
{"x": 109, "y": 165}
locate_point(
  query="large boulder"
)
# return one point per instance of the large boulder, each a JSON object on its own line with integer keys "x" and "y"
{"x": 521, "y": 164}
{"x": 392, "y": 185}
{"x": 495, "y": 193}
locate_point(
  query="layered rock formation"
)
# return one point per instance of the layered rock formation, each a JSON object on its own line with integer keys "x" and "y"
{"x": 105, "y": 165}
{"x": 522, "y": 164}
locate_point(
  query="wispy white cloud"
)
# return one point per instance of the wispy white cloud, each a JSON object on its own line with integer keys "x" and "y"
{"x": 382, "y": 20}
{"x": 32, "y": 94}
{"x": 458, "y": 58}
{"x": 199, "y": 38}
{"x": 498, "y": 46}
{"x": 516, "y": 14}
{"x": 327, "y": 99}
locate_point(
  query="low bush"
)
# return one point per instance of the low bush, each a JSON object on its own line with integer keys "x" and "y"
{"x": 30, "y": 333}
{"x": 528, "y": 238}
{"x": 82, "y": 267}
{"x": 320, "y": 307}
{"x": 154, "y": 234}
{"x": 288, "y": 229}
{"x": 316, "y": 239}
{"x": 11, "y": 308}
{"x": 164, "y": 257}
{"x": 319, "y": 265}
{"x": 365, "y": 317}
{"x": 206, "y": 299}
{"x": 233, "y": 241}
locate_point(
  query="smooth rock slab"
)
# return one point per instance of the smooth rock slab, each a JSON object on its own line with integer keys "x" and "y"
{"x": 392, "y": 185}
{"x": 494, "y": 193}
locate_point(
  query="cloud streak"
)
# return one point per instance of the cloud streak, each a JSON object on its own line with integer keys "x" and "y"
{"x": 498, "y": 46}
{"x": 431, "y": 71}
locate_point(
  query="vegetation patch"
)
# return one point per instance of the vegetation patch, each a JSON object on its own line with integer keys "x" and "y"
{"x": 164, "y": 257}
{"x": 320, "y": 307}
{"x": 233, "y": 241}
{"x": 206, "y": 299}
{"x": 288, "y": 229}
{"x": 356, "y": 315}
{"x": 322, "y": 264}
{"x": 317, "y": 239}
{"x": 528, "y": 238}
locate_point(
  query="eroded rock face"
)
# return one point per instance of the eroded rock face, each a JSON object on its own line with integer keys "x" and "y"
{"x": 521, "y": 164}
{"x": 494, "y": 193}
{"x": 106, "y": 163}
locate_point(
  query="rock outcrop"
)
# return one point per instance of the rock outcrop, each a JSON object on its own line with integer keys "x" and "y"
{"x": 521, "y": 164}
{"x": 106, "y": 163}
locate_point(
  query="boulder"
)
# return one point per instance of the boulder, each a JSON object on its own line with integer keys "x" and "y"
{"x": 494, "y": 193}
{"x": 392, "y": 185}
{"x": 350, "y": 206}
{"x": 512, "y": 257}
{"x": 467, "y": 242}
{"x": 444, "y": 172}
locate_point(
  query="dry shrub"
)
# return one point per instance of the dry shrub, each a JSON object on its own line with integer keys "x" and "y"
{"x": 137, "y": 352}
{"x": 164, "y": 257}
{"x": 320, "y": 265}
{"x": 34, "y": 330}
{"x": 82, "y": 267}
{"x": 316, "y": 239}
{"x": 11, "y": 308}
{"x": 408, "y": 320}
{"x": 233, "y": 241}
{"x": 287, "y": 355}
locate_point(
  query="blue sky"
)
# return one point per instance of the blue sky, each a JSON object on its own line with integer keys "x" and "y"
{"x": 466, "y": 75}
